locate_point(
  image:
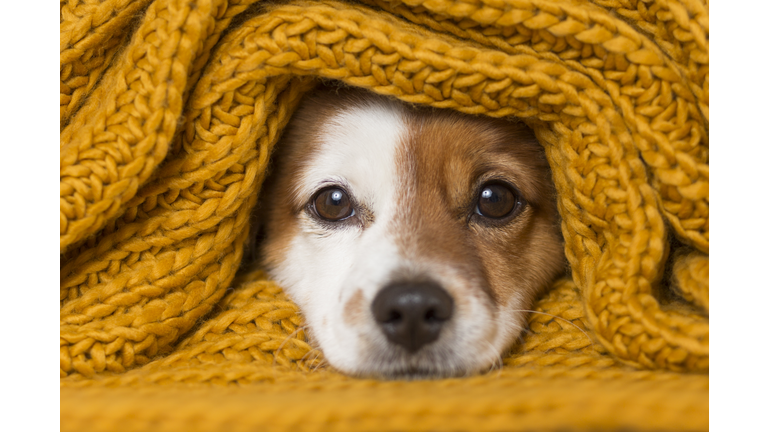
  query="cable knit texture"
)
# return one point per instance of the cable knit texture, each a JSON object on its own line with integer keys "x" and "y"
{"x": 170, "y": 110}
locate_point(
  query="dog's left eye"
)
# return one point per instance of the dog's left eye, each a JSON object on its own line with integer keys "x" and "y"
{"x": 333, "y": 204}
{"x": 497, "y": 201}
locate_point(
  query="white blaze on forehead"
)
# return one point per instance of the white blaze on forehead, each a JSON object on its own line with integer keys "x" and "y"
{"x": 357, "y": 148}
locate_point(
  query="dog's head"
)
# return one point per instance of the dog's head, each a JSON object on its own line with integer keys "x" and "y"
{"x": 411, "y": 238}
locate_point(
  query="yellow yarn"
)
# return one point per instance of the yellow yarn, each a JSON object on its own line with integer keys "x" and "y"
{"x": 170, "y": 110}
{"x": 691, "y": 272}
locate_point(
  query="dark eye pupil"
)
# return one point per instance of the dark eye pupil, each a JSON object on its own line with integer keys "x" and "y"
{"x": 333, "y": 204}
{"x": 496, "y": 201}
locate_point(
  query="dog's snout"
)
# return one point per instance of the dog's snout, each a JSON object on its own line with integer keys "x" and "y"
{"x": 412, "y": 314}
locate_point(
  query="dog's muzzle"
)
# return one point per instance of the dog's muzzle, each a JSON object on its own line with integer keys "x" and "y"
{"x": 411, "y": 314}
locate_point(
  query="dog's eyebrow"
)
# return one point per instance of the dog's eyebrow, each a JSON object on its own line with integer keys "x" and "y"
{"x": 531, "y": 182}
{"x": 302, "y": 192}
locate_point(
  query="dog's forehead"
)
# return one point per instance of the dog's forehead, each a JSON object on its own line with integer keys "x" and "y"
{"x": 457, "y": 152}
{"x": 356, "y": 146}
{"x": 374, "y": 146}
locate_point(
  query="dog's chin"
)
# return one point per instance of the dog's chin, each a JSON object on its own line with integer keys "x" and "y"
{"x": 396, "y": 363}
{"x": 416, "y": 372}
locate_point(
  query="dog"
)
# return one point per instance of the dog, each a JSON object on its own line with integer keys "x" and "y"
{"x": 413, "y": 239}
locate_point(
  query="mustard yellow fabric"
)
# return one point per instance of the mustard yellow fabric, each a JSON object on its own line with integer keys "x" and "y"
{"x": 169, "y": 111}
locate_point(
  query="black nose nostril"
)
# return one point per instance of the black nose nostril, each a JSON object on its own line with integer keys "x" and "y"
{"x": 431, "y": 316}
{"x": 412, "y": 314}
{"x": 394, "y": 317}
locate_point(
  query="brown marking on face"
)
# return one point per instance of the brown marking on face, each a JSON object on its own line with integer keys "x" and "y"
{"x": 355, "y": 310}
{"x": 444, "y": 160}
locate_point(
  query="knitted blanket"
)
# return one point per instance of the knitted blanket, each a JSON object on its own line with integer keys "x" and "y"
{"x": 170, "y": 110}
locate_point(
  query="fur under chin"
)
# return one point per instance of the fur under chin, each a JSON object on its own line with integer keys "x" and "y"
{"x": 412, "y": 175}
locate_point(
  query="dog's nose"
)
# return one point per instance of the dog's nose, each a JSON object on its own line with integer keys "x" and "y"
{"x": 412, "y": 314}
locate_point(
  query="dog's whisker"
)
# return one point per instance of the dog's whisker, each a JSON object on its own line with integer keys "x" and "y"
{"x": 498, "y": 361}
{"x": 319, "y": 364}
{"x": 316, "y": 361}
{"x": 285, "y": 341}
{"x": 313, "y": 350}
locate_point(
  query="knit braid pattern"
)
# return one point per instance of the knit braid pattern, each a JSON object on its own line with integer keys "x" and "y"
{"x": 170, "y": 110}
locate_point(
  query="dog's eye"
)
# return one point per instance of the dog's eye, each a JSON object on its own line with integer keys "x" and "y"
{"x": 333, "y": 204}
{"x": 496, "y": 201}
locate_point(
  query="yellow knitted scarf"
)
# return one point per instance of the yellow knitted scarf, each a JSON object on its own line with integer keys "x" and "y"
{"x": 170, "y": 110}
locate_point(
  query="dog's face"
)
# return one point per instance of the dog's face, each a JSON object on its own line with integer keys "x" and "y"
{"x": 411, "y": 238}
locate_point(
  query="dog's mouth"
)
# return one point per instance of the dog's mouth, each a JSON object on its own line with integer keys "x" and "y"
{"x": 411, "y": 373}
{"x": 416, "y": 374}
{"x": 393, "y": 362}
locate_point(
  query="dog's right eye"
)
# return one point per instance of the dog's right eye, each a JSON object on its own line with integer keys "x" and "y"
{"x": 333, "y": 204}
{"x": 498, "y": 201}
